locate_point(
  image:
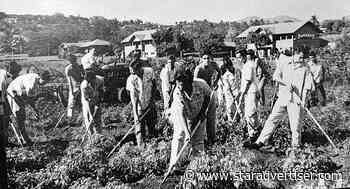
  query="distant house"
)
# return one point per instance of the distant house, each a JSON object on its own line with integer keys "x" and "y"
{"x": 67, "y": 48}
{"x": 141, "y": 40}
{"x": 288, "y": 35}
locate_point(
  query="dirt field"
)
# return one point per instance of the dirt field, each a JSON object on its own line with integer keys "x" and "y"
{"x": 59, "y": 159}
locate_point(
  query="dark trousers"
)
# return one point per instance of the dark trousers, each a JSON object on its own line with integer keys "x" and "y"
{"x": 3, "y": 170}
{"x": 149, "y": 121}
{"x": 319, "y": 87}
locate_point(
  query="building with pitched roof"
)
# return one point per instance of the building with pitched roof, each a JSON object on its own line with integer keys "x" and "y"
{"x": 287, "y": 35}
{"x": 141, "y": 40}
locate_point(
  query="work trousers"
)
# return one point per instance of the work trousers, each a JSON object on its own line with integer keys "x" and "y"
{"x": 211, "y": 120}
{"x": 4, "y": 126}
{"x": 92, "y": 123}
{"x": 148, "y": 122}
{"x": 20, "y": 120}
{"x": 71, "y": 101}
{"x": 197, "y": 140}
{"x": 278, "y": 111}
{"x": 319, "y": 87}
{"x": 250, "y": 112}
{"x": 3, "y": 171}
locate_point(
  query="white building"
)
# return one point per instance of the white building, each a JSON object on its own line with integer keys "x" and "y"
{"x": 287, "y": 35}
{"x": 141, "y": 40}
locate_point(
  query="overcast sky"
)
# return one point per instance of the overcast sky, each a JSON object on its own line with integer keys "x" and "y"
{"x": 170, "y": 11}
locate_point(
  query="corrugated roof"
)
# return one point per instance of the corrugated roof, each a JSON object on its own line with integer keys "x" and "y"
{"x": 229, "y": 43}
{"x": 96, "y": 42}
{"x": 279, "y": 28}
{"x": 140, "y": 36}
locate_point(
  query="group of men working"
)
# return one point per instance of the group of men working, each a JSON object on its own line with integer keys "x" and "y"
{"x": 190, "y": 98}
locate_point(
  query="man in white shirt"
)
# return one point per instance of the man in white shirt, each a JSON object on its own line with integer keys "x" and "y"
{"x": 295, "y": 82}
{"x": 91, "y": 88}
{"x": 230, "y": 87}
{"x": 20, "y": 92}
{"x": 249, "y": 91}
{"x": 74, "y": 74}
{"x": 141, "y": 85}
{"x": 89, "y": 60}
{"x": 167, "y": 78}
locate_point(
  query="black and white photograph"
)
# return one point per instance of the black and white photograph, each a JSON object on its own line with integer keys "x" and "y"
{"x": 174, "y": 94}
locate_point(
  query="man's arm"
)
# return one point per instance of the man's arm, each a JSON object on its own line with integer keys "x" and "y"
{"x": 196, "y": 72}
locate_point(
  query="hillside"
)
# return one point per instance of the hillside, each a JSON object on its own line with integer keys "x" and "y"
{"x": 276, "y": 19}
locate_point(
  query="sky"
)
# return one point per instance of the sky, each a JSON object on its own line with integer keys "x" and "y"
{"x": 171, "y": 11}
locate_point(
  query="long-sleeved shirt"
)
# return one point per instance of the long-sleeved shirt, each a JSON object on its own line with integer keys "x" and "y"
{"x": 297, "y": 75}
{"x": 249, "y": 75}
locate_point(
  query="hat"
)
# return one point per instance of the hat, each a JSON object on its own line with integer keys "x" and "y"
{"x": 45, "y": 75}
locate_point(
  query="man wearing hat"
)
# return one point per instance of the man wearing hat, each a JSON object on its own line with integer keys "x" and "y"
{"x": 317, "y": 71}
{"x": 206, "y": 71}
{"x": 167, "y": 78}
{"x": 191, "y": 98}
{"x": 91, "y": 88}
{"x": 74, "y": 74}
{"x": 6, "y": 76}
{"x": 142, "y": 86}
{"x": 21, "y": 92}
{"x": 295, "y": 82}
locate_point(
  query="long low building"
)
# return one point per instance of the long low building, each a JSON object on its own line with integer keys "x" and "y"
{"x": 287, "y": 35}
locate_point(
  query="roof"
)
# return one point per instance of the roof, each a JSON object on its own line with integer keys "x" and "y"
{"x": 65, "y": 45}
{"x": 140, "y": 36}
{"x": 96, "y": 42}
{"x": 279, "y": 28}
{"x": 229, "y": 44}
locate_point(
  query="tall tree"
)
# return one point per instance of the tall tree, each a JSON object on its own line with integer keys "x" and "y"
{"x": 315, "y": 21}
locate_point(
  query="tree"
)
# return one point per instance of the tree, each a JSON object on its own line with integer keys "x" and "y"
{"x": 315, "y": 21}
{"x": 261, "y": 37}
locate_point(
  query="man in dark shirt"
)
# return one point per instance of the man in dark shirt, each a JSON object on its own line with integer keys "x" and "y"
{"x": 206, "y": 70}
